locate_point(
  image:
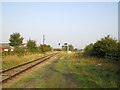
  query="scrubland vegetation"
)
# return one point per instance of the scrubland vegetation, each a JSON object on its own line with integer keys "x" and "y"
{"x": 103, "y": 46}
{"x": 16, "y": 41}
{"x": 22, "y": 54}
{"x": 14, "y": 60}
{"x": 70, "y": 71}
{"x": 86, "y": 69}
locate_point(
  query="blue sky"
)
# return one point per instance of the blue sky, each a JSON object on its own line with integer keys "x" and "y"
{"x": 76, "y": 23}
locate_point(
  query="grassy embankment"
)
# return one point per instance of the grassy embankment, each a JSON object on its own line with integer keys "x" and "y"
{"x": 14, "y": 60}
{"x": 95, "y": 72}
{"x": 70, "y": 71}
{"x": 91, "y": 71}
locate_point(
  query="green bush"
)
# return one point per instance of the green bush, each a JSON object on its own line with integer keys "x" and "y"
{"x": 15, "y": 39}
{"x": 103, "y": 46}
{"x": 89, "y": 50}
{"x": 32, "y": 47}
{"x": 45, "y": 48}
{"x": 19, "y": 51}
{"x": 4, "y": 53}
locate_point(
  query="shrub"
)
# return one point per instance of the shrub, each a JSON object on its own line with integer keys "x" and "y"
{"x": 19, "y": 51}
{"x": 103, "y": 46}
{"x": 32, "y": 47}
{"x": 15, "y": 39}
{"x": 45, "y": 48}
{"x": 89, "y": 50}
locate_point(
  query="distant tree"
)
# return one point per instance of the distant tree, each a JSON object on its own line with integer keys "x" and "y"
{"x": 31, "y": 46}
{"x": 89, "y": 49}
{"x": 19, "y": 51}
{"x": 105, "y": 45}
{"x": 45, "y": 48}
{"x": 15, "y": 39}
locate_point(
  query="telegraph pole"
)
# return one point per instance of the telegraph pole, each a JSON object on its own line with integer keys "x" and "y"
{"x": 43, "y": 39}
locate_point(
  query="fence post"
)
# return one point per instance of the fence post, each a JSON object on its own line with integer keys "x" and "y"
{"x": 112, "y": 56}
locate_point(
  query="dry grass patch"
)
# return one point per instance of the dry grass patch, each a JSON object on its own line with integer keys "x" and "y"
{"x": 14, "y": 60}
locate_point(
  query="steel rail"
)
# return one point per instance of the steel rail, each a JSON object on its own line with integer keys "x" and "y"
{"x": 23, "y": 64}
{"x": 24, "y": 67}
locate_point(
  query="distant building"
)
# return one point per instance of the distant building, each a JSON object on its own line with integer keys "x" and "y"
{"x": 6, "y": 47}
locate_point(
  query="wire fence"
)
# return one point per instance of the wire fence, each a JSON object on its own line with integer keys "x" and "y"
{"x": 112, "y": 56}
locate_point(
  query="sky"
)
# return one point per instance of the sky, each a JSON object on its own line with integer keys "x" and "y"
{"x": 77, "y": 23}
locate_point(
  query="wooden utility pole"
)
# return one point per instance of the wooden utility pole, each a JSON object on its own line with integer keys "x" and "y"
{"x": 43, "y": 39}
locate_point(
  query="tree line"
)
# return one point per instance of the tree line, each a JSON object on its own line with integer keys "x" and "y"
{"x": 103, "y": 46}
{"x": 16, "y": 41}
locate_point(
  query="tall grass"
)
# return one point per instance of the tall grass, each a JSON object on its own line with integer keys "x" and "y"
{"x": 95, "y": 72}
{"x": 68, "y": 70}
{"x": 91, "y": 72}
{"x": 14, "y": 60}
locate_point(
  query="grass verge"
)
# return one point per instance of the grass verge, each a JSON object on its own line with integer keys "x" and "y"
{"x": 14, "y": 60}
{"x": 69, "y": 71}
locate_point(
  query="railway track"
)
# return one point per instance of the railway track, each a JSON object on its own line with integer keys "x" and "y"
{"x": 14, "y": 71}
